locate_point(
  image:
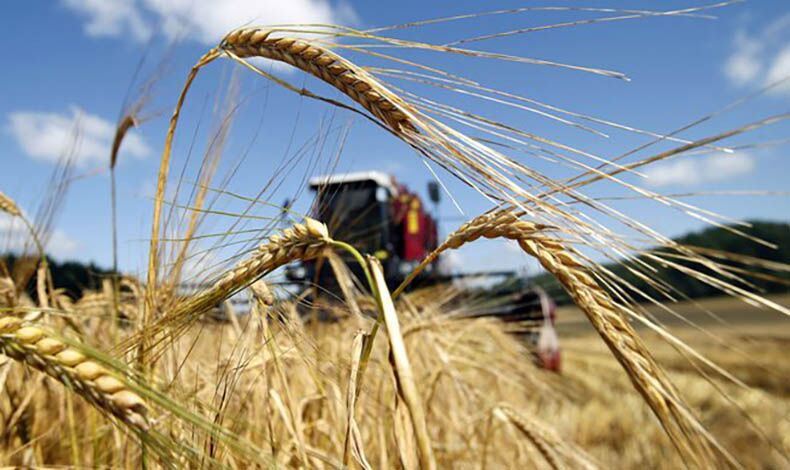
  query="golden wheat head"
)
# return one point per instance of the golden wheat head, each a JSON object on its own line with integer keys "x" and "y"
{"x": 8, "y": 205}
{"x": 101, "y": 388}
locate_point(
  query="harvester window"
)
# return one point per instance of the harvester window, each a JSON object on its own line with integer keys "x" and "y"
{"x": 354, "y": 214}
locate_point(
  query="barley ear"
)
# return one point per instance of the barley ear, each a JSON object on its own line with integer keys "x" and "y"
{"x": 322, "y": 63}
{"x": 65, "y": 363}
{"x": 299, "y": 242}
{"x": 684, "y": 430}
{"x": 8, "y": 205}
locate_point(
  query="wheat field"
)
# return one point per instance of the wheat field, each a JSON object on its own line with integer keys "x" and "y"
{"x": 601, "y": 425}
{"x": 143, "y": 374}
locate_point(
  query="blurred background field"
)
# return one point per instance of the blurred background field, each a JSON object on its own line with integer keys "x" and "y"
{"x": 423, "y": 239}
{"x": 610, "y": 420}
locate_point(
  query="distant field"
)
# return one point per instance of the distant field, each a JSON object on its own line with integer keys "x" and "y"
{"x": 609, "y": 419}
{"x": 714, "y": 313}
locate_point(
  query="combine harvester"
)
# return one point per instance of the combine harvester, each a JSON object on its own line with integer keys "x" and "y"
{"x": 374, "y": 213}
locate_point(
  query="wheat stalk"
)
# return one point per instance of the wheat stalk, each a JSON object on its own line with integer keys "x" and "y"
{"x": 407, "y": 388}
{"x": 558, "y": 452}
{"x": 66, "y": 364}
{"x": 300, "y": 242}
{"x": 647, "y": 376}
{"x": 353, "y": 443}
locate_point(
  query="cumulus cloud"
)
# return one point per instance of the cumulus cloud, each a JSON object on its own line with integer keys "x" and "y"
{"x": 111, "y": 18}
{"x": 762, "y": 57}
{"x": 452, "y": 261}
{"x": 745, "y": 63}
{"x": 61, "y": 245}
{"x": 14, "y": 237}
{"x": 205, "y": 21}
{"x": 47, "y": 135}
{"x": 780, "y": 68}
{"x": 693, "y": 171}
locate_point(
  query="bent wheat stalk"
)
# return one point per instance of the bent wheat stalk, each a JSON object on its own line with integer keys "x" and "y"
{"x": 557, "y": 451}
{"x": 324, "y": 64}
{"x": 312, "y": 59}
{"x": 684, "y": 430}
{"x": 300, "y": 242}
{"x": 401, "y": 365}
{"x": 164, "y": 170}
{"x": 98, "y": 386}
{"x": 476, "y": 164}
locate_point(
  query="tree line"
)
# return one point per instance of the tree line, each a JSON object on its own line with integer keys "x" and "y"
{"x": 74, "y": 276}
{"x": 713, "y": 242}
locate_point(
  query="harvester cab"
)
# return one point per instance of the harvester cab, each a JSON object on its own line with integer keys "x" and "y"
{"x": 375, "y": 214}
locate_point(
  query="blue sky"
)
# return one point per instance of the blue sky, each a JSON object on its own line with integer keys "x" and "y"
{"x": 73, "y": 61}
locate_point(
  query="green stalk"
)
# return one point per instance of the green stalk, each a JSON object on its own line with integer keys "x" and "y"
{"x": 360, "y": 260}
{"x": 369, "y": 338}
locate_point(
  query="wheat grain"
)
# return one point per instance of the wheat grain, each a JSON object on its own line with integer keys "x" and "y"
{"x": 684, "y": 430}
{"x": 262, "y": 293}
{"x": 8, "y": 205}
{"x": 7, "y": 292}
{"x": 300, "y": 242}
{"x": 325, "y": 65}
{"x": 66, "y": 364}
{"x": 558, "y": 452}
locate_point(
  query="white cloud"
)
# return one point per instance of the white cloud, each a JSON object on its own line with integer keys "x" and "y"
{"x": 46, "y": 136}
{"x": 745, "y": 63}
{"x": 14, "y": 237}
{"x": 692, "y": 171}
{"x": 60, "y": 245}
{"x": 111, "y": 18}
{"x": 762, "y": 58}
{"x": 780, "y": 69}
{"x": 199, "y": 266}
{"x": 452, "y": 261}
{"x": 205, "y": 21}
